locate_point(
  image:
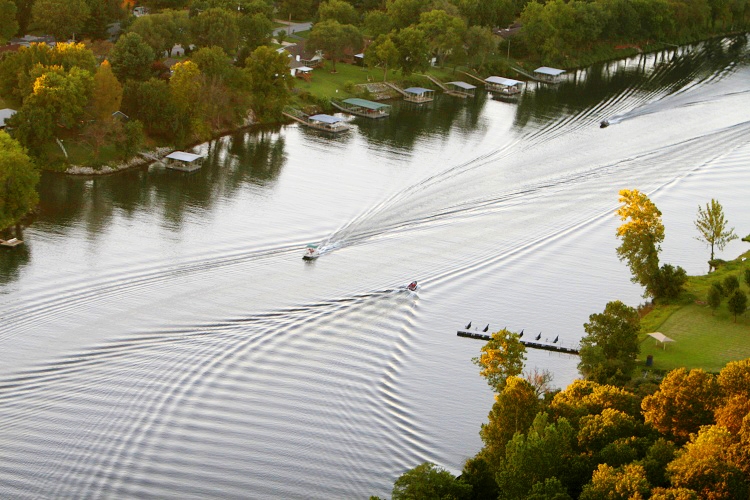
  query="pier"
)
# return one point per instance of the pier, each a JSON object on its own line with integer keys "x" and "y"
{"x": 533, "y": 344}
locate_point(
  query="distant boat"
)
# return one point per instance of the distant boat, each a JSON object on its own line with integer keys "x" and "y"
{"x": 311, "y": 252}
{"x": 604, "y": 123}
{"x": 412, "y": 286}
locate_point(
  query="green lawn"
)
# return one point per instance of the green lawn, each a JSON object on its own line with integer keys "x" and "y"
{"x": 703, "y": 338}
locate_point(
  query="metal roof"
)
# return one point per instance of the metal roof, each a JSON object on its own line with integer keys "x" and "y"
{"x": 326, "y": 118}
{"x": 463, "y": 85}
{"x": 499, "y": 80}
{"x": 364, "y": 103}
{"x": 549, "y": 71}
{"x": 183, "y": 156}
{"x": 304, "y": 69}
{"x": 417, "y": 90}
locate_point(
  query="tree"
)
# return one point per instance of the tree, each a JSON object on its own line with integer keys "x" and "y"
{"x": 270, "y": 83}
{"x": 502, "y": 357}
{"x": 61, "y": 18}
{"x": 8, "y": 23}
{"x": 737, "y": 303}
{"x": 382, "y": 52}
{"x": 131, "y": 139}
{"x": 106, "y": 95}
{"x": 713, "y": 298}
{"x": 747, "y": 276}
{"x": 131, "y": 58}
{"x": 673, "y": 494}
{"x": 404, "y": 13}
{"x": 217, "y": 27}
{"x": 625, "y": 483}
{"x": 334, "y": 39}
{"x": 338, "y": 10}
{"x": 185, "y": 88}
{"x": 445, "y": 33}
{"x": 707, "y": 465}
{"x": 550, "y": 489}
{"x": 669, "y": 281}
{"x": 163, "y": 30}
{"x": 151, "y": 103}
{"x": 597, "y": 431}
{"x": 18, "y": 178}
{"x": 712, "y": 226}
{"x": 376, "y": 23}
{"x": 584, "y": 397}
{"x": 684, "y": 402}
{"x": 641, "y": 235}
{"x": 429, "y": 481}
{"x": 610, "y": 347}
{"x": 255, "y": 30}
{"x": 413, "y": 50}
{"x": 514, "y": 411}
{"x": 480, "y": 43}
{"x": 730, "y": 284}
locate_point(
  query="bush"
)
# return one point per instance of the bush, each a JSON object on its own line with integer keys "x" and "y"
{"x": 669, "y": 282}
{"x": 718, "y": 286}
{"x": 747, "y": 276}
{"x": 731, "y": 283}
{"x": 714, "y": 298}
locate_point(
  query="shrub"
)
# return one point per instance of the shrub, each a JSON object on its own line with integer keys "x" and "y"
{"x": 718, "y": 286}
{"x": 747, "y": 276}
{"x": 731, "y": 283}
{"x": 714, "y": 298}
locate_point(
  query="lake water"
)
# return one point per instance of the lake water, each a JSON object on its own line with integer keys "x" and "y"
{"x": 162, "y": 338}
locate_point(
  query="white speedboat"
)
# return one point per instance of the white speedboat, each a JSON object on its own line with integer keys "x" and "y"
{"x": 311, "y": 252}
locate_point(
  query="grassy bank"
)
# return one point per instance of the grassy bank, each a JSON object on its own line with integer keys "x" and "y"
{"x": 703, "y": 338}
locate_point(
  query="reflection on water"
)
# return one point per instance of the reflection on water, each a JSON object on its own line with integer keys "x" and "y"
{"x": 162, "y": 337}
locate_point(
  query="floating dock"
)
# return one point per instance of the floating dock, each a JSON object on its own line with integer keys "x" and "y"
{"x": 363, "y": 107}
{"x": 325, "y": 123}
{"x": 528, "y": 343}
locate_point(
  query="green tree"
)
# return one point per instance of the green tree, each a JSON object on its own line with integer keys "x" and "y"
{"x": 445, "y": 33}
{"x": 376, "y": 23}
{"x": 163, "y": 31}
{"x": 61, "y": 18}
{"x": 714, "y": 298}
{"x": 641, "y": 236}
{"x": 8, "y": 23}
{"x": 737, "y": 303}
{"x": 255, "y": 30}
{"x": 730, "y": 284}
{"x": 131, "y": 139}
{"x": 597, "y": 431}
{"x": 334, "y": 39}
{"x": 151, "y": 103}
{"x": 413, "y": 50}
{"x": 106, "y": 95}
{"x": 501, "y": 357}
{"x": 338, "y": 10}
{"x": 131, "y": 58}
{"x": 270, "y": 83}
{"x": 550, "y": 489}
{"x": 624, "y": 483}
{"x": 429, "y": 481}
{"x": 707, "y": 465}
{"x": 480, "y": 43}
{"x": 685, "y": 401}
{"x": 18, "y": 178}
{"x": 747, "y": 276}
{"x": 712, "y": 226}
{"x": 296, "y": 9}
{"x": 610, "y": 347}
{"x": 382, "y": 52}
{"x": 404, "y": 13}
{"x": 669, "y": 282}
{"x": 217, "y": 27}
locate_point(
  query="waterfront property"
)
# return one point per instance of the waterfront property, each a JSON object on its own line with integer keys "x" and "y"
{"x": 504, "y": 86}
{"x": 418, "y": 94}
{"x": 462, "y": 89}
{"x": 363, "y": 107}
{"x": 185, "y": 162}
{"x": 548, "y": 75}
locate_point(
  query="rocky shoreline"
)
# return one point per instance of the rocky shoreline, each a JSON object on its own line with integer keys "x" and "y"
{"x": 142, "y": 158}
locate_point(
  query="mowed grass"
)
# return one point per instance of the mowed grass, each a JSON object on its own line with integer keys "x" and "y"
{"x": 704, "y": 338}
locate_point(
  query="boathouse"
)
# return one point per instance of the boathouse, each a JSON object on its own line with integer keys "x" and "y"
{"x": 549, "y": 75}
{"x": 363, "y": 107}
{"x": 327, "y": 123}
{"x": 185, "y": 162}
{"x": 506, "y": 86}
{"x": 462, "y": 88}
{"x": 418, "y": 94}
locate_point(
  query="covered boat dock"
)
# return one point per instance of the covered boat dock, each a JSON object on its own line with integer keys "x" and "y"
{"x": 462, "y": 89}
{"x": 185, "y": 162}
{"x": 418, "y": 94}
{"x": 504, "y": 86}
{"x": 327, "y": 123}
{"x": 549, "y": 75}
{"x": 363, "y": 107}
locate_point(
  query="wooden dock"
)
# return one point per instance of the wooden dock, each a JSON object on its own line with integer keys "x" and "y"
{"x": 445, "y": 89}
{"x": 528, "y": 343}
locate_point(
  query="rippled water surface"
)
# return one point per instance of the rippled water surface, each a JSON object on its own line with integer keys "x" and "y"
{"x": 162, "y": 338}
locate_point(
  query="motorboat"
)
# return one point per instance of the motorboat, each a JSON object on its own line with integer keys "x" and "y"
{"x": 412, "y": 286}
{"x": 311, "y": 252}
{"x": 604, "y": 123}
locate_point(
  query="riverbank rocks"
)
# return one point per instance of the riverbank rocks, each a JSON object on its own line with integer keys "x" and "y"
{"x": 142, "y": 158}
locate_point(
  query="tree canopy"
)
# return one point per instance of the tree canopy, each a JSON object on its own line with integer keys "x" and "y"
{"x": 501, "y": 357}
{"x": 61, "y": 18}
{"x": 712, "y": 226}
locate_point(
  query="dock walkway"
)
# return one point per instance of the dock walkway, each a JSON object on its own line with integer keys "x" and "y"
{"x": 528, "y": 343}
{"x": 444, "y": 88}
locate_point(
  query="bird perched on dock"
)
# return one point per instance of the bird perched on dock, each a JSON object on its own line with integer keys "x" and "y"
{"x": 520, "y": 335}
{"x": 555, "y": 341}
{"x": 539, "y": 336}
{"x": 486, "y": 327}
{"x": 469, "y": 325}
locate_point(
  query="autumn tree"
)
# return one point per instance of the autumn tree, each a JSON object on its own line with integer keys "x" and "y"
{"x": 685, "y": 401}
{"x": 8, "y": 23}
{"x": 18, "y": 178}
{"x": 429, "y": 481}
{"x": 501, "y": 357}
{"x": 610, "y": 347}
{"x": 106, "y": 95}
{"x": 623, "y": 483}
{"x": 131, "y": 58}
{"x": 712, "y": 226}
{"x": 61, "y": 18}
{"x": 641, "y": 234}
{"x": 270, "y": 83}
{"x": 585, "y": 397}
{"x": 334, "y": 39}
{"x": 185, "y": 87}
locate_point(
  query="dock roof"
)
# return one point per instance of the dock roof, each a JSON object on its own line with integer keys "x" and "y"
{"x": 326, "y": 118}
{"x": 549, "y": 71}
{"x": 183, "y": 156}
{"x": 463, "y": 85}
{"x": 499, "y": 80}
{"x": 364, "y": 103}
{"x": 418, "y": 90}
